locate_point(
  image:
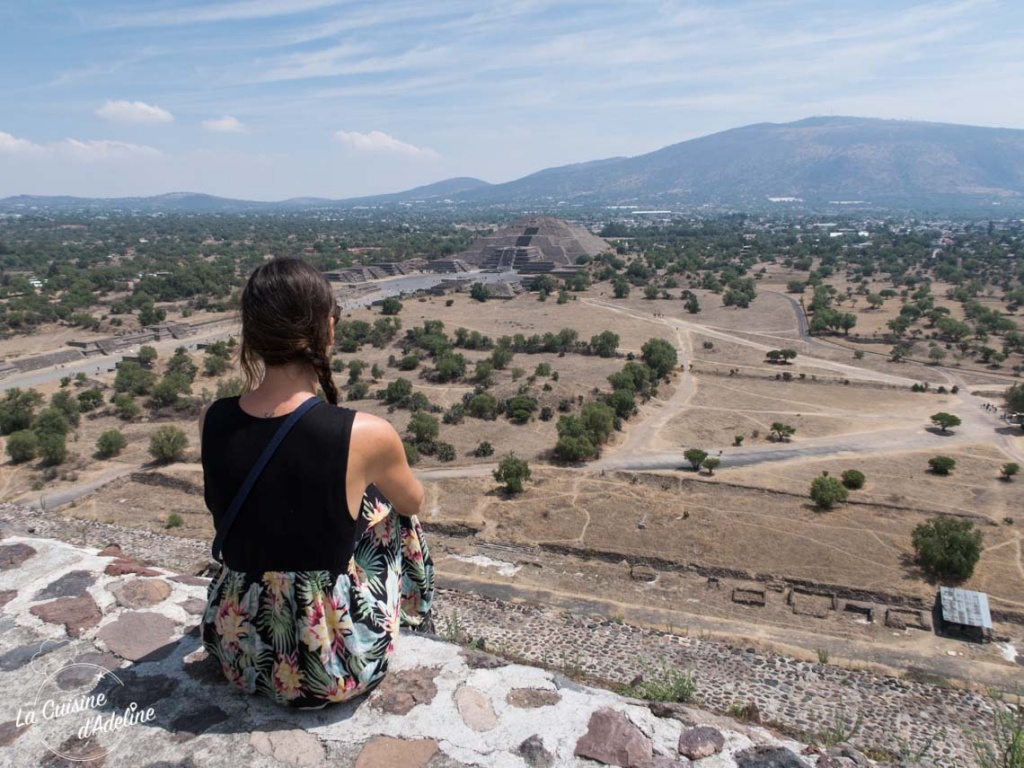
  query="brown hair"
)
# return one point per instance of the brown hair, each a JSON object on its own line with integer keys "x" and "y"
{"x": 286, "y": 306}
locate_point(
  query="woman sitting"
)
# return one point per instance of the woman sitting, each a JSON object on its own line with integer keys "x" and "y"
{"x": 325, "y": 558}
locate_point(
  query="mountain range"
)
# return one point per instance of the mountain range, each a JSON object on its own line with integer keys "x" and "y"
{"x": 812, "y": 163}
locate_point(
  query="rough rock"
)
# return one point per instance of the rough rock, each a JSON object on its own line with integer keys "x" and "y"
{"x": 533, "y": 752}
{"x": 844, "y": 756}
{"x": 531, "y": 698}
{"x": 111, "y": 550}
{"x": 21, "y": 655}
{"x": 122, "y": 567}
{"x": 9, "y": 732}
{"x": 662, "y": 762}
{"x": 194, "y": 606}
{"x": 77, "y": 614}
{"x": 399, "y": 693}
{"x": 480, "y": 660}
{"x": 76, "y": 752}
{"x": 289, "y": 745}
{"x": 192, "y": 581}
{"x": 475, "y": 709}
{"x": 140, "y": 593}
{"x": 388, "y": 752}
{"x": 6, "y": 595}
{"x": 643, "y": 573}
{"x": 13, "y": 555}
{"x": 613, "y": 740}
{"x": 137, "y": 635}
{"x": 700, "y": 742}
{"x": 768, "y": 757}
{"x": 72, "y": 584}
{"x": 86, "y": 668}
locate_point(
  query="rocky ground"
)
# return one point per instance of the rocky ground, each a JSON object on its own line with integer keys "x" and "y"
{"x": 887, "y": 717}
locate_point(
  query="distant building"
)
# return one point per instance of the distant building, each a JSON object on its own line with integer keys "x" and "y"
{"x": 533, "y": 245}
{"x": 965, "y": 613}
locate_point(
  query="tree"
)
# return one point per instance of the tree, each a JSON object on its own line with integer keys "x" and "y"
{"x": 947, "y": 547}
{"x": 397, "y": 392}
{"x": 604, "y": 344}
{"x": 168, "y": 444}
{"x": 90, "y": 399}
{"x": 110, "y": 443}
{"x": 853, "y": 479}
{"x": 181, "y": 363}
{"x": 67, "y": 405}
{"x": 390, "y": 306}
{"x": 942, "y": 465}
{"x": 133, "y": 379}
{"x": 484, "y": 450}
{"x": 936, "y": 354}
{"x": 695, "y": 456}
{"x": 520, "y": 408}
{"x": 51, "y": 422}
{"x": 827, "y": 491}
{"x": 423, "y": 427}
{"x": 478, "y": 291}
{"x": 1009, "y": 469}
{"x": 22, "y": 446}
{"x": 1015, "y": 398}
{"x": 512, "y": 472}
{"x": 782, "y": 432}
{"x": 445, "y": 452}
{"x": 53, "y": 448}
{"x": 17, "y": 410}
{"x": 945, "y": 420}
{"x": 171, "y": 386}
{"x": 147, "y": 355}
{"x": 660, "y": 357}
{"x": 125, "y": 407}
{"x": 711, "y": 463}
{"x": 621, "y": 289}
{"x": 692, "y": 304}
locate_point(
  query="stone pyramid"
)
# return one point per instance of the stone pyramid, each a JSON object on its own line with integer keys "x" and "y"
{"x": 540, "y": 239}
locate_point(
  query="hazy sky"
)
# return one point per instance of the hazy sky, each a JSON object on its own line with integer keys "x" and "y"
{"x": 269, "y": 99}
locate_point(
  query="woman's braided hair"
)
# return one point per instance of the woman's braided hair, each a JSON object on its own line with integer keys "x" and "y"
{"x": 286, "y": 309}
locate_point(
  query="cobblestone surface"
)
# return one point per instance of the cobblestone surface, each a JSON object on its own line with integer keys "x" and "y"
{"x": 888, "y": 714}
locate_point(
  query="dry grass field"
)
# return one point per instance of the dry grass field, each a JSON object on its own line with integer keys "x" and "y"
{"x": 753, "y": 516}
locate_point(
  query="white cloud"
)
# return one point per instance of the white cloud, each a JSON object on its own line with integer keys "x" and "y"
{"x": 100, "y": 149}
{"x": 14, "y": 146}
{"x": 381, "y": 143}
{"x": 226, "y": 124}
{"x": 134, "y": 112}
{"x": 89, "y": 151}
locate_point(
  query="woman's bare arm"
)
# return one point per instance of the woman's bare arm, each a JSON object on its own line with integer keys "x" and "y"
{"x": 377, "y": 456}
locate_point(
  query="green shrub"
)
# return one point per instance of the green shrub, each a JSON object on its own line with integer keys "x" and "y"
{"x": 947, "y": 547}
{"x": 22, "y": 446}
{"x": 512, "y": 473}
{"x": 110, "y": 443}
{"x": 52, "y": 448}
{"x": 445, "y": 452}
{"x": 827, "y": 491}
{"x": 853, "y": 479}
{"x": 483, "y": 450}
{"x": 174, "y": 520}
{"x": 168, "y": 444}
{"x": 942, "y": 465}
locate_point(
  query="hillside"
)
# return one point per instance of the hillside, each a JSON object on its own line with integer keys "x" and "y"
{"x": 821, "y": 160}
{"x": 884, "y": 162}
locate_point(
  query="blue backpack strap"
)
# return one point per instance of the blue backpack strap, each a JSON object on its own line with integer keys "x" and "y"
{"x": 254, "y": 473}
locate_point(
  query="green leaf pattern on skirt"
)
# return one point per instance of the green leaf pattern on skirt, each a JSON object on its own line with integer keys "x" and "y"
{"x": 308, "y": 638}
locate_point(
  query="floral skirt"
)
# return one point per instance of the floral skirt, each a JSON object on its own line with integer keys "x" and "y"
{"x": 308, "y": 638}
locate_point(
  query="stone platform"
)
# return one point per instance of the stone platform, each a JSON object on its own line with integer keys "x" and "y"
{"x": 101, "y": 665}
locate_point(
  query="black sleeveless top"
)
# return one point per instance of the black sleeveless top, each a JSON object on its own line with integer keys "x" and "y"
{"x": 296, "y": 517}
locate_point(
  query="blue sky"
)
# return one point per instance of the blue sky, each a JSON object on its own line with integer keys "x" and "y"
{"x": 270, "y": 99}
